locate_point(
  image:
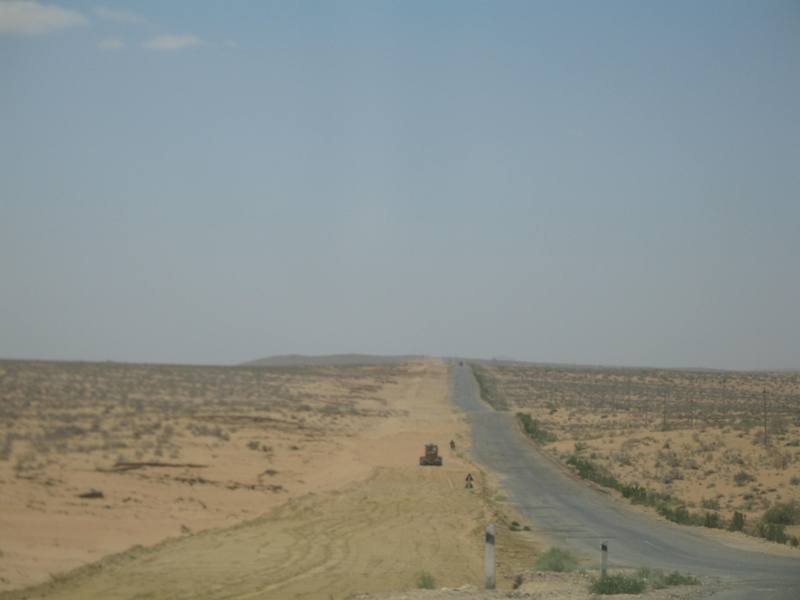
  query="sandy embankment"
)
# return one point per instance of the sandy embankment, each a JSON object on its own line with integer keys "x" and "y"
{"x": 360, "y": 516}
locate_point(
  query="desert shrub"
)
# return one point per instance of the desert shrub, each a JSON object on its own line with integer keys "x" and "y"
{"x": 618, "y": 584}
{"x": 676, "y": 578}
{"x": 737, "y": 522}
{"x": 772, "y": 532}
{"x": 783, "y": 514}
{"x": 622, "y": 458}
{"x": 781, "y": 460}
{"x": 712, "y": 520}
{"x": 425, "y": 581}
{"x": 682, "y": 515}
{"x": 557, "y": 559}
{"x": 204, "y": 430}
{"x": 488, "y": 388}
{"x": 668, "y": 457}
{"x": 26, "y": 463}
{"x": 649, "y": 576}
{"x": 6, "y": 447}
{"x": 534, "y": 429}
{"x": 589, "y": 470}
{"x": 712, "y": 504}
{"x": 658, "y": 580}
{"x": 635, "y": 493}
{"x": 743, "y": 477}
{"x": 677, "y": 514}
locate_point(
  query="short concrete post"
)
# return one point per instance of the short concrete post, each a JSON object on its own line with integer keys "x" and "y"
{"x": 604, "y": 559}
{"x": 489, "y": 561}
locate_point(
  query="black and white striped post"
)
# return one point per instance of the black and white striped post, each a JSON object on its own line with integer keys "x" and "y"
{"x": 604, "y": 559}
{"x": 489, "y": 558}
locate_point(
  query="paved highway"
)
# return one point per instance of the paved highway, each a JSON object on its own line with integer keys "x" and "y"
{"x": 579, "y": 516}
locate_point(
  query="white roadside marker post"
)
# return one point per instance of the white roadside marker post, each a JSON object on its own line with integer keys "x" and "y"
{"x": 604, "y": 559}
{"x": 489, "y": 557}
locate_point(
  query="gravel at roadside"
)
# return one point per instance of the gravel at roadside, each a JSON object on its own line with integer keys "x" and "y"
{"x": 545, "y": 586}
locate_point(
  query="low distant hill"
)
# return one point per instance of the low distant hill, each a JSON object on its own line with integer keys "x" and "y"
{"x": 301, "y": 360}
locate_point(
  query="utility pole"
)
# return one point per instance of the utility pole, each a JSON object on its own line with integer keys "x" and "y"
{"x": 764, "y": 398}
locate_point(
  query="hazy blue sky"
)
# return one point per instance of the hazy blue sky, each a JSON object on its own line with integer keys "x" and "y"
{"x": 593, "y": 182}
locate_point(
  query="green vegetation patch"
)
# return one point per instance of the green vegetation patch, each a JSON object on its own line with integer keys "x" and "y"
{"x": 425, "y": 581}
{"x": 667, "y": 506}
{"x": 657, "y": 579}
{"x": 641, "y": 581}
{"x": 534, "y": 429}
{"x": 618, "y": 584}
{"x": 557, "y": 559}
{"x": 737, "y": 522}
{"x": 787, "y": 513}
{"x": 488, "y": 388}
{"x": 772, "y": 525}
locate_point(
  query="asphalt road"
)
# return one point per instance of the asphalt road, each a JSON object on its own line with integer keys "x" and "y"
{"x": 575, "y": 514}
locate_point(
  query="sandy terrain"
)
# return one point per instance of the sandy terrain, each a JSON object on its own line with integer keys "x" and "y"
{"x": 696, "y": 436}
{"x": 371, "y": 536}
{"x": 327, "y": 456}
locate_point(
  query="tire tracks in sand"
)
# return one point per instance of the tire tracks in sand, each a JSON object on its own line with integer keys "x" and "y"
{"x": 373, "y": 536}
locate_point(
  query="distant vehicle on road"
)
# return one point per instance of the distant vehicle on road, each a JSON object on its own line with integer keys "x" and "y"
{"x": 431, "y": 458}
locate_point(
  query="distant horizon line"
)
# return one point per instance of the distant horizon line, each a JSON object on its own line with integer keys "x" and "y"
{"x": 395, "y": 357}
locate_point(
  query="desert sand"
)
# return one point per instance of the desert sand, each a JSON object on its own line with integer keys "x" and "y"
{"x": 293, "y": 483}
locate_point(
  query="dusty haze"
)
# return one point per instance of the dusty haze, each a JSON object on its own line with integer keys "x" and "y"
{"x": 598, "y": 184}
